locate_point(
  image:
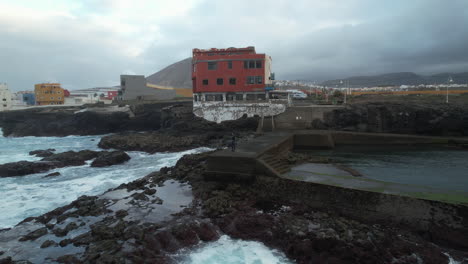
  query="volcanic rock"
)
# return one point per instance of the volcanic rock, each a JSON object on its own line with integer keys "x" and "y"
{"x": 108, "y": 158}
{"x": 34, "y": 234}
{"x": 149, "y": 142}
{"x": 42, "y": 152}
{"x": 71, "y": 158}
{"x": 48, "y": 243}
{"x": 21, "y": 168}
{"x": 53, "y": 174}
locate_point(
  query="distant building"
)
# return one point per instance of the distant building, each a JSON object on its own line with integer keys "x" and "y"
{"x": 28, "y": 98}
{"x": 91, "y": 95}
{"x": 135, "y": 87}
{"x": 5, "y": 97}
{"x": 49, "y": 94}
{"x": 234, "y": 82}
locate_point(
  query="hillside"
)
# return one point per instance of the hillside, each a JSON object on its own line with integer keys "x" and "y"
{"x": 400, "y": 78}
{"x": 177, "y": 75}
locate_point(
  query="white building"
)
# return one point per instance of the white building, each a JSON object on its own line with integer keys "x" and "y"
{"x": 5, "y": 97}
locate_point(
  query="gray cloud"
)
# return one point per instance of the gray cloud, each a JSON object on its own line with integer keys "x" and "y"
{"x": 314, "y": 40}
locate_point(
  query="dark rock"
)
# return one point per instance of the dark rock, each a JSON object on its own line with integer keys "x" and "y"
{"x": 140, "y": 196}
{"x": 53, "y": 174}
{"x": 206, "y": 232}
{"x": 69, "y": 259}
{"x": 22, "y": 168}
{"x": 71, "y": 158}
{"x": 7, "y": 260}
{"x": 168, "y": 241}
{"x": 121, "y": 213}
{"x": 149, "y": 191}
{"x": 65, "y": 242}
{"x": 34, "y": 234}
{"x": 63, "y": 232}
{"x": 48, "y": 243}
{"x": 185, "y": 235}
{"x": 150, "y": 142}
{"x": 42, "y": 152}
{"x": 106, "y": 158}
{"x": 83, "y": 239}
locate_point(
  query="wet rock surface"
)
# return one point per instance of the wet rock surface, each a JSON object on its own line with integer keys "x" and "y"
{"x": 64, "y": 159}
{"x": 42, "y": 152}
{"x": 117, "y": 227}
{"x": 108, "y": 158}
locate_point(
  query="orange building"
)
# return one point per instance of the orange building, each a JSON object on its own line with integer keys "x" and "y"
{"x": 49, "y": 94}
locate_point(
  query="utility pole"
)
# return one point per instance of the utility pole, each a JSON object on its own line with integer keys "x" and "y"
{"x": 450, "y": 81}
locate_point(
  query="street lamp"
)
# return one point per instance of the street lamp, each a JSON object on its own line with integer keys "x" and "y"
{"x": 345, "y": 92}
{"x": 450, "y": 81}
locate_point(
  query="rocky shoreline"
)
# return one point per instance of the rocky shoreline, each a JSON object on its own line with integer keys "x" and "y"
{"x": 304, "y": 234}
{"x": 60, "y": 160}
{"x": 138, "y": 222}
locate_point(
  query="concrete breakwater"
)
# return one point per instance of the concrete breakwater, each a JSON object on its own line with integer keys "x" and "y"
{"x": 445, "y": 221}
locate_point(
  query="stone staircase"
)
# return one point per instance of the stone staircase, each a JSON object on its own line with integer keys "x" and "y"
{"x": 277, "y": 165}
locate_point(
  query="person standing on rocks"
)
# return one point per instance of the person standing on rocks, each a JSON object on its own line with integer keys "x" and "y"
{"x": 233, "y": 142}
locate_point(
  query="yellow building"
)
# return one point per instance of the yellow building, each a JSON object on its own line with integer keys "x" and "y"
{"x": 49, "y": 94}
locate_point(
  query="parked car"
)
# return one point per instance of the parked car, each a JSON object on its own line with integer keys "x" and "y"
{"x": 296, "y": 94}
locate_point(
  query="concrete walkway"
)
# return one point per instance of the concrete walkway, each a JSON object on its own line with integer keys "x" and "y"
{"x": 328, "y": 174}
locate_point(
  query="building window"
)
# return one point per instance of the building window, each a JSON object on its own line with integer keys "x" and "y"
{"x": 4, "y": 105}
{"x": 205, "y": 82}
{"x": 51, "y": 98}
{"x": 209, "y": 97}
{"x": 250, "y": 80}
{"x": 232, "y": 81}
{"x": 122, "y": 83}
{"x": 258, "y": 64}
{"x": 219, "y": 81}
{"x": 4, "y": 99}
{"x": 212, "y": 65}
{"x": 250, "y": 97}
{"x": 261, "y": 97}
{"x": 229, "y": 97}
{"x": 251, "y": 64}
{"x": 239, "y": 97}
{"x": 218, "y": 97}
{"x": 59, "y": 98}
{"x": 195, "y": 98}
{"x": 229, "y": 64}
{"x": 258, "y": 80}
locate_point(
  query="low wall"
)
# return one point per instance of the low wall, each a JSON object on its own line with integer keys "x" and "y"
{"x": 329, "y": 139}
{"x": 223, "y": 111}
{"x": 301, "y": 117}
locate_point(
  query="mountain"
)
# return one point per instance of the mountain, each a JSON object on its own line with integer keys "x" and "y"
{"x": 399, "y": 78}
{"x": 177, "y": 75}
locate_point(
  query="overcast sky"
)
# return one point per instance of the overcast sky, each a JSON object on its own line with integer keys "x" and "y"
{"x": 88, "y": 43}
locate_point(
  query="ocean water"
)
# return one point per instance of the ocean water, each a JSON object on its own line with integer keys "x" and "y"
{"x": 33, "y": 195}
{"x": 233, "y": 251}
{"x": 444, "y": 168}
